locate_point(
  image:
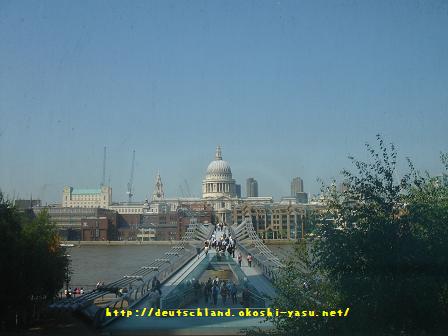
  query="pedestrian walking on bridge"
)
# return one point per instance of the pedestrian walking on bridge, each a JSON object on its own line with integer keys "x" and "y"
{"x": 249, "y": 259}
{"x": 224, "y": 293}
{"x": 215, "y": 291}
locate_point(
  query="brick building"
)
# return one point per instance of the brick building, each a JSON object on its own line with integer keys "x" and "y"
{"x": 165, "y": 225}
{"x": 69, "y": 221}
{"x": 129, "y": 226}
{"x": 99, "y": 228}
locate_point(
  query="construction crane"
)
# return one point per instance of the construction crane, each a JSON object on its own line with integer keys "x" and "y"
{"x": 181, "y": 190}
{"x": 131, "y": 180}
{"x": 187, "y": 187}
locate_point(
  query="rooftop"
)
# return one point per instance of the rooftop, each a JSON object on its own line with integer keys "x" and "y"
{"x": 86, "y": 191}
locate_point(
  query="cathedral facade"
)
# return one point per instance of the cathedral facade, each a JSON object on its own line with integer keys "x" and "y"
{"x": 219, "y": 189}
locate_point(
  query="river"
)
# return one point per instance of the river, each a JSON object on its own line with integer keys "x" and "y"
{"x": 90, "y": 264}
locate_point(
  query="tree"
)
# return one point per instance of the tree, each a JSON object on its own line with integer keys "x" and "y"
{"x": 10, "y": 249}
{"x": 383, "y": 254}
{"x": 427, "y": 209}
{"x": 301, "y": 287}
{"x": 33, "y": 265}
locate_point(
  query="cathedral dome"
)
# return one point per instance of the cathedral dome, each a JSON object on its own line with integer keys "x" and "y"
{"x": 219, "y": 166}
{"x": 218, "y": 180}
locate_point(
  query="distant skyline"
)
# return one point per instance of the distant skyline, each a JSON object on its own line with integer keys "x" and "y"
{"x": 287, "y": 88}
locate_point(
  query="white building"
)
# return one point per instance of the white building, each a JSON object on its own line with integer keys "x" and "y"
{"x": 128, "y": 208}
{"x": 218, "y": 180}
{"x": 87, "y": 198}
{"x": 218, "y": 188}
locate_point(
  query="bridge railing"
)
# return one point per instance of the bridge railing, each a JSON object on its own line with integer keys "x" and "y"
{"x": 186, "y": 293}
{"x": 182, "y": 295}
{"x": 131, "y": 289}
{"x": 136, "y": 294}
{"x": 255, "y": 298}
{"x": 194, "y": 231}
{"x": 249, "y": 242}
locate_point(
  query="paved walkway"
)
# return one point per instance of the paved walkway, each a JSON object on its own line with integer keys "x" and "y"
{"x": 223, "y": 325}
{"x": 181, "y": 274}
{"x": 229, "y": 325}
{"x": 255, "y": 277}
{"x": 254, "y": 274}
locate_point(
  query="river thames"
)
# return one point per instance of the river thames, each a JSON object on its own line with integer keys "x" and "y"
{"x": 90, "y": 264}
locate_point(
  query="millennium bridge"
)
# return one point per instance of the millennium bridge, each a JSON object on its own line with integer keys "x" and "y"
{"x": 183, "y": 266}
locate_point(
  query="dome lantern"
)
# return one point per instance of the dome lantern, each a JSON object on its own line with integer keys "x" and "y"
{"x": 218, "y": 155}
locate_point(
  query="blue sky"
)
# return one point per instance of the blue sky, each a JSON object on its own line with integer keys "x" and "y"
{"x": 288, "y": 88}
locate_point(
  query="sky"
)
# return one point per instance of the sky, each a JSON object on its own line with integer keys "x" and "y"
{"x": 287, "y": 88}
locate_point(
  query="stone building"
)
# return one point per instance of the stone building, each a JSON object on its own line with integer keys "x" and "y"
{"x": 87, "y": 198}
{"x": 277, "y": 220}
{"x": 218, "y": 188}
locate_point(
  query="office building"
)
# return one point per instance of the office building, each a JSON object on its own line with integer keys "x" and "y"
{"x": 251, "y": 187}
{"x": 238, "y": 190}
{"x": 296, "y": 186}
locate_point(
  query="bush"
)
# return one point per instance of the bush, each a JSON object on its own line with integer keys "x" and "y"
{"x": 33, "y": 265}
{"x": 384, "y": 254}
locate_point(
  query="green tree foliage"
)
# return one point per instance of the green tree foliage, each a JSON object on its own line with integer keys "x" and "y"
{"x": 300, "y": 287}
{"x": 33, "y": 265}
{"x": 427, "y": 209}
{"x": 384, "y": 254}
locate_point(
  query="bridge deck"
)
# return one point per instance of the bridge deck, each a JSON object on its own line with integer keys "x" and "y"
{"x": 227, "y": 325}
{"x": 255, "y": 276}
{"x": 233, "y": 325}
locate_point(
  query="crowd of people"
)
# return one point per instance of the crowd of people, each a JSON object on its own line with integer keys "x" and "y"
{"x": 222, "y": 245}
{"x": 220, "y": 292}
{"x": 226, "y": 290}
{"x": 226, "y": 243}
